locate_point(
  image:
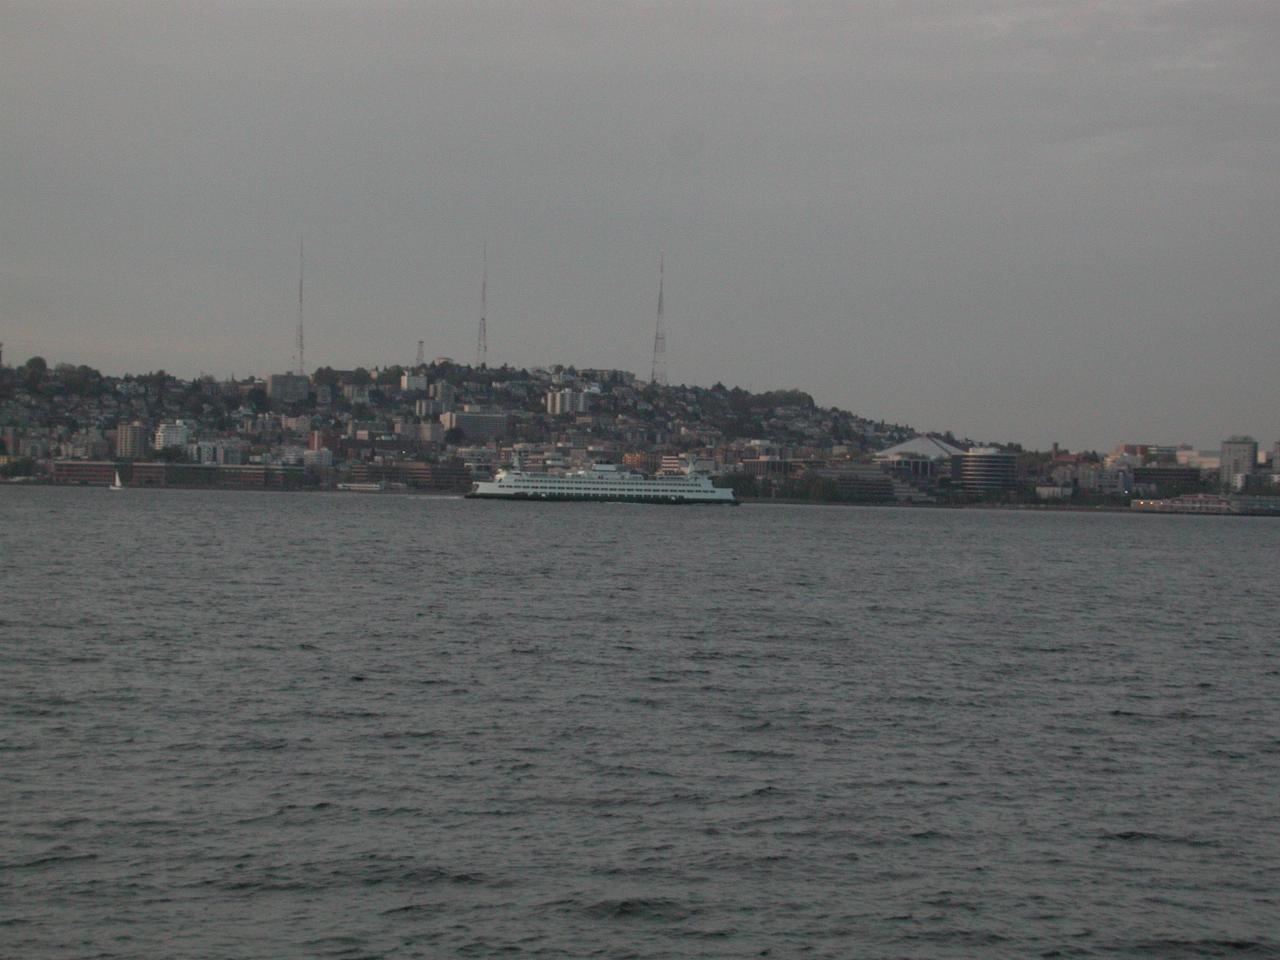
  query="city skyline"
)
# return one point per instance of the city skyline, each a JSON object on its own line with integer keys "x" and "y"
{"x": 1018, "y": 221}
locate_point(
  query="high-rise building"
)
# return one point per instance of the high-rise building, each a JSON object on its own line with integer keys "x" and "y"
{"x": 566, "y": 401}
{"x": 988, "y": 470}
{"x": 1239, "y": 458}
{"x": 172, "y": 434}
{"x": 131, "y": 439}
{"x": 477, "y": 427}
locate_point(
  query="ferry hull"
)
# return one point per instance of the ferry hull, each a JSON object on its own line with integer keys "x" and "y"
{"x": 671, "y": 501}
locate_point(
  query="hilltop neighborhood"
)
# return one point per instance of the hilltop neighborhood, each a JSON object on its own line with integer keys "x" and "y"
{"x": 439, "y": 426}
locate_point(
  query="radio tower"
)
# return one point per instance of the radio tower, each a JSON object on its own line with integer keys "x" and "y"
{"x": 302, "y": 363}
{"x": 658, "y": 372}
{"x": 422, "y": 356}
{"x": 482, "y": 343}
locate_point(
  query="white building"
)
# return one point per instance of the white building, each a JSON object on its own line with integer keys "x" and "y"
{"x": 225, "y": 452}
{"x": 566, "y": 401}
{"x": 1239, "y": 458}
{"x": 1204, "y": 459}
{"x": 173, "y": 434}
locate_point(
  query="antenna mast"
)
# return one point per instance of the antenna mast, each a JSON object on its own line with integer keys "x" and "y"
{"x": 658, "y": 372}
{"x": 302, "y": 363}
{"x": 482, "y": 343}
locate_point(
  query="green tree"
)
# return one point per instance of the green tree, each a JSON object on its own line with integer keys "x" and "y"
{"x": 742, "y": 484}
{"x": 325, "y": 376}
{"x": 824, "y": 490}
{"x": 34, "y": 372}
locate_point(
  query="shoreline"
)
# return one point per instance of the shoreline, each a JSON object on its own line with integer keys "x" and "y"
{"x": 28, "y": 482}
{"x": 1037, "y": 507}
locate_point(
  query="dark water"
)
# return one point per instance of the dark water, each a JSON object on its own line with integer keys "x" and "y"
{"x": 243, "y": 725}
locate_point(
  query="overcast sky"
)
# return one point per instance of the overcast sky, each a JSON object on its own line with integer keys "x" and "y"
{"x": 1019, "y": 220}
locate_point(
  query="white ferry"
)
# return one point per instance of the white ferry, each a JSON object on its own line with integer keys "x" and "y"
{"x": 601, "y": 481}
{"x": 1190, "y": 503}
{"x": 1210, "y": 503}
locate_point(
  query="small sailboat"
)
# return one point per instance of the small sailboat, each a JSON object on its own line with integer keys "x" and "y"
{"x": 116, "y": 484}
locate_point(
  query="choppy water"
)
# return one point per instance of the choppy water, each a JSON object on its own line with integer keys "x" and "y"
{"x": 268, "y": 725}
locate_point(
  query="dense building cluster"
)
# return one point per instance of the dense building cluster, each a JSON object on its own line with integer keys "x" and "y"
{"x": 441, "y": 425}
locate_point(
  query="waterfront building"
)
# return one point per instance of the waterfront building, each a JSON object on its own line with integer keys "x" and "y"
{"x": 642, "y": 462}
{"x": 1239, "y": 458}
{"x": 142, "y": 474}
{"x": 923, "y": 458}
{"x": 131, "y": 440}
{"x": 1148, "y": 480}
{"x": 174, "y": 433}
{"x": 766, "y": 468}
{"x": 83, "y": 472}
{"x": 442, "y": 475}
{"x": 986, "y": 470}
{"x": 1115, "y": 482}
{"x": 1054, "y": 491}
{"x": 318, "y": 458}
{"x": 672, "y": 464}
{"x": 228, "y": 452}
{"x": 922, "y": 445}
{"x": 867, "y": 482}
